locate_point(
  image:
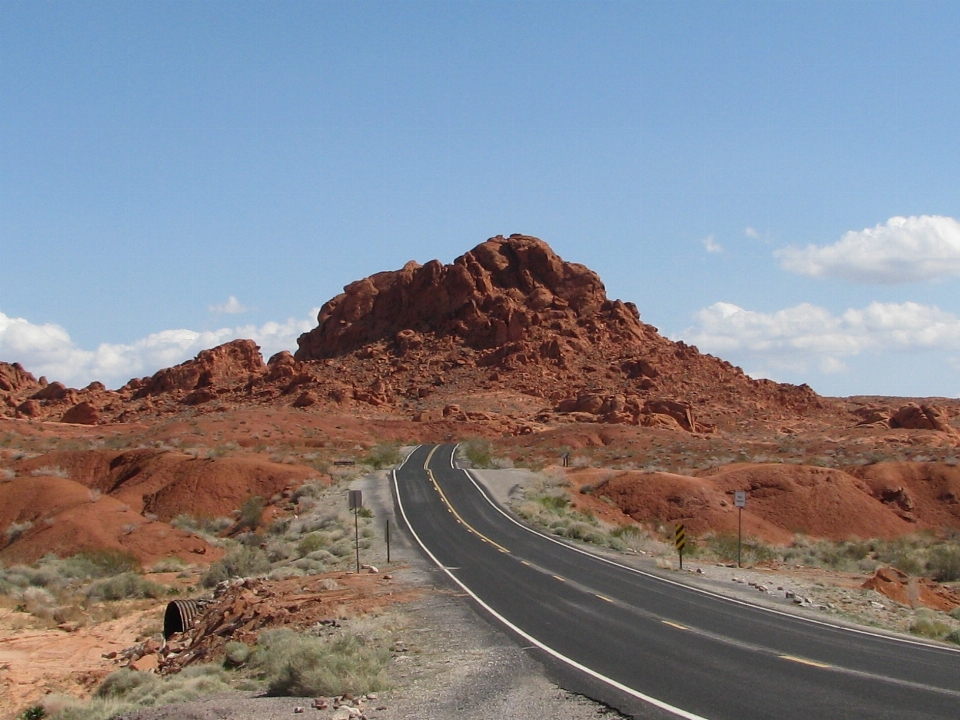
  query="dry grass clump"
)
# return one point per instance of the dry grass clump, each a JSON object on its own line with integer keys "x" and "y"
{"x": 56, "y": 590}
{"x": 929, "y": 625}
{"x": 551, "y": 511}
{"x": 126, "y": 690}
{"x": 383, "y": 455}
{"x": 478, "y": 453}
{"x": 347, "y": 661}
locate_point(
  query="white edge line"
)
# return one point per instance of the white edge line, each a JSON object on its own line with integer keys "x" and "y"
{"x": 526, "y": 636}
{"x": 774, "y": 611}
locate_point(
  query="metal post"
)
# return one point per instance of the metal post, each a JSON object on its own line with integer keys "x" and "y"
{"x": 388, "y": 542}
{"x": 739, "y": 532}
{"x": 356, "y": 534}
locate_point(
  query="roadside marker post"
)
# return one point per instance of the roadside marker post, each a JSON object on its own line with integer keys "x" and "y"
{"x": 355, "y": 503}
{"x": 680, "y": 539}
{"x": 388, "y": 541}
{"x": 740, "y": 500}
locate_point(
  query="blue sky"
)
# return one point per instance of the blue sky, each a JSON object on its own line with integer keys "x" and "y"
{"x": 776, "y": 183}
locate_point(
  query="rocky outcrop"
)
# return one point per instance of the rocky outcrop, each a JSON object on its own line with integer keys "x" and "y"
{"x": 226, "y": 366}
{"x": 487, "y": 298}
{"x": 913, "y": 416}
{"x": 14, "y": 379}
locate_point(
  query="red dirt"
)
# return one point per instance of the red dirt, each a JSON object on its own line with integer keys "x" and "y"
{"x": 784, "y": 500}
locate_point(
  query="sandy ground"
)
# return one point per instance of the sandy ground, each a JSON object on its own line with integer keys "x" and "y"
{"x": 34, "y": 662}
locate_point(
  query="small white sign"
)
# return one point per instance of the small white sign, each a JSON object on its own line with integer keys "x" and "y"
{"x": 740, "y": 498}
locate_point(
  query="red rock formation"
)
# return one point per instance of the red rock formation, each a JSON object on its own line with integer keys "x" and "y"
{"x": 225, "y": 366}
{"x": 545, "y": 327}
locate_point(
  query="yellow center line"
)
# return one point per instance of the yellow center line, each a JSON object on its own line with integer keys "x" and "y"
{"x": 526, "y": 563}
{"x": 676, "y": 625}
{"x": 603, "y": 597}
{"x": 560, "y": 578}
{"x": 426, "y": 463}
{"x": 804, "y": 661}
{"x": 450, "y": 507}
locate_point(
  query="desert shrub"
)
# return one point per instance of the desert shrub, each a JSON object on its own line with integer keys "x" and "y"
{"x": 308, "y": 490}
{"x": 383, "y": 455}
{"x": 125, "y": 690}
{"x": 119, "y": 683}
{"x": 953, "y": 637}
{"x": 311, "y": 543}
{"x": 556, "y": 503}
{"x": 170, "y": 564}
{"x": 243, "y": 561}
{"x": 927, "y": 624}
{"x": 15, "y": 530}
{"x": 300, "y": 665}
{"x": 102, "y": 563}
{"x": 251, "y": 513}
{"x": 944, "y": 563}
{"x": 201, "y": 526}
{"x": 125, "y": 586}
{"x": 955, "y": 613}
{"x": 36, "y": 712}
{"x": 235, "y": 654}
{"x": 478, "y": 453}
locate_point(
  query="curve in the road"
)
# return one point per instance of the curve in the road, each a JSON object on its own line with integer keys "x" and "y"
{"x": 632, "y": 631}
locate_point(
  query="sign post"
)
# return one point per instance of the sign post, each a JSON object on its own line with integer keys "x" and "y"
{"x": 680, "y": 539}
{"x": 740, "y": 500}
{"x": 356, "y": 502}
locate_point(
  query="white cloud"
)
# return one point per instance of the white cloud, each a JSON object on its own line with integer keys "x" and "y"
{"x": 902, "y": 250}
{"x": 751, "y": 233}
{"x": 712, "y": 245}
{"x": 806, "y": 335}
{"x": 231, "y": 307}
{"x": 48, "y": 350}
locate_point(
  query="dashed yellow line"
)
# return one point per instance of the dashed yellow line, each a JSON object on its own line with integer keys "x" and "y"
{"x": 560, "y": 578}
{"x": 675, "y": 625}
{"x": 526, "y": 563}
{"x": 804, "y": 661}
{"x": 604, "y": 597}
{"x": 450, "y": 507}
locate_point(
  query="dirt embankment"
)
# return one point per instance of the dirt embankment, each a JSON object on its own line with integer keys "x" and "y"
{"x": 882, "y": 501}
{"x": 69, "y": 501}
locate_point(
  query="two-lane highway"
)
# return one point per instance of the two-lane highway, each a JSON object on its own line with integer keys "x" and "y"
{"x": 650, "y": 645}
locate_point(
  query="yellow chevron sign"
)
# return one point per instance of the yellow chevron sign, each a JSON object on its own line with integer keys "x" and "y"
{"x": 680, "y": 538}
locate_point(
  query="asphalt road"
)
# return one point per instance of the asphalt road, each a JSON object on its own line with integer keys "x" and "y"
{"x": 650, "y": 646}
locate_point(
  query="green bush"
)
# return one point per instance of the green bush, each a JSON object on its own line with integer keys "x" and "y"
{"x": 953, "y": 637}
{"x": 556, "y": 503}
{"x": 251, "y": 513}
{"x": 236, "y": 654}
{"x": 302, "y": 666}
{"x": 478, "y": 453}
{"x": 944, "y": 563}
{"x": 125, "y": 586}
{"x": 33, "y": 713}
{"x": 243, "y": 561}
{"x": 383, "y": 455}
{"x": 119, "y": 683}
{"x": 928, "y": 625}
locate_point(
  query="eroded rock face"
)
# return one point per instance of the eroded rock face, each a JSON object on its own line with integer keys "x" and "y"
{"x": 224, "y": 366}
{"x": 489, "y": 297}
{"x": 13, "y": 378}
{"x": 913, "y": 416}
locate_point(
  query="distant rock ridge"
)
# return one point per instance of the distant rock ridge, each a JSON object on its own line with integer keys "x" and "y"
{"x": 508, "y": 337}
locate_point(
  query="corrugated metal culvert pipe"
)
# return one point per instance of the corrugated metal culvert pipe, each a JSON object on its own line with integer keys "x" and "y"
{"x": 179, "y": 616}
